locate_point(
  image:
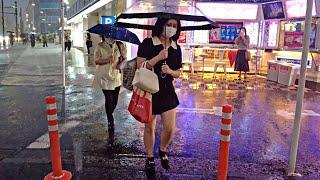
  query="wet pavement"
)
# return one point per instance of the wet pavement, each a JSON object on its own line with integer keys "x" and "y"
{"x": 261, "y": 128}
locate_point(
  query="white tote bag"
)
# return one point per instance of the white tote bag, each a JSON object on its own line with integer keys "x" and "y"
{"x": 146, "y": 79}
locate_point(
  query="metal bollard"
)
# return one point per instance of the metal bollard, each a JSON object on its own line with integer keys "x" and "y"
{"x": 224, "y": 142}
{"x": 57, "y": 172}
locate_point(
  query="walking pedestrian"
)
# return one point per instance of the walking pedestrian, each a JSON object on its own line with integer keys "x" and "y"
{"x": 44, "y": 41}
{"x": 67, "y": 43}
{"x": 163, "y": 54}
{"x": 33, "y": 40}
{"x": 88, "y": 42}
{"x": 11, "y": 38}
{"x": 242, "y": 42}
{"x": 107, "y": 75}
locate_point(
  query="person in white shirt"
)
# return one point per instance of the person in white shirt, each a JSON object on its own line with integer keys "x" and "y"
{"x": 107, "y": 75}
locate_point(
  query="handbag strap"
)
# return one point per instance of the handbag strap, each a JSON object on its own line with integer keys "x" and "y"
{"x": 144, "y": 65}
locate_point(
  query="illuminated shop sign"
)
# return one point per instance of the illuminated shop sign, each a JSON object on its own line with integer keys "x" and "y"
{"x": 108, "y": 20}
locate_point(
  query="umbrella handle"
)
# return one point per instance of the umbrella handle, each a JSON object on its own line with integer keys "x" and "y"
{"x": 163, "y": 75}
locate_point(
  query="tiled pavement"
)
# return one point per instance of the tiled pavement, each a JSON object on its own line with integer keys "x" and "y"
{"x": 229, "y": 82}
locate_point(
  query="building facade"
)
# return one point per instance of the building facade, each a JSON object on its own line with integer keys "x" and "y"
{"x": 84, "y": 14}
{"x": 43, "y": 16}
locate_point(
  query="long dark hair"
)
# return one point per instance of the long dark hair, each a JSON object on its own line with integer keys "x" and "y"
{"x": 245, "y": 31}
{"x": 103, "y": 38}
{"x": 161, "y": 22}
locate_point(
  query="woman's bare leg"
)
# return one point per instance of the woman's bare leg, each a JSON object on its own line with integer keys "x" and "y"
{"x": 149, "y": 137}
{"x": 168, "y": 119}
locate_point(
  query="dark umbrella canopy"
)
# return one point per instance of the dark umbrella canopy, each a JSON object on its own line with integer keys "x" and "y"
{"x": 114, "y": 32}
{"x": 191, "y": 17}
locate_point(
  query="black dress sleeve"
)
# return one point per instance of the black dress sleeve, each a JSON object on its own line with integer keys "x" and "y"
{"x": 143, "y": 49}
{"x": 178, "y": 62}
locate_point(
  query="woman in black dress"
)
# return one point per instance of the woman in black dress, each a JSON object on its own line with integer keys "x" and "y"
{"x": 242, "y": 42}
{"x": 164, "y": 55}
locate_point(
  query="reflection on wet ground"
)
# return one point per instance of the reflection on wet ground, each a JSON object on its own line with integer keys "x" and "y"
{"x": 260, "y": 141}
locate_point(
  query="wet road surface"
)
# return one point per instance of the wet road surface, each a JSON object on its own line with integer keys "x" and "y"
{"x": 260, "y": 140}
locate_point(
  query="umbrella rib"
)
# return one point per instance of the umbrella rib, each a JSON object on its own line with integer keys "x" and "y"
{"x": 163, "y": 14}
{"x": 150, "y": 27}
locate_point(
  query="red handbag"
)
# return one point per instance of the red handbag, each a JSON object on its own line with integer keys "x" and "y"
{"x": 140, "y": 106}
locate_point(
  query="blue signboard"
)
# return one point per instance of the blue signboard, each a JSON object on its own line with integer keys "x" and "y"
{"x": 108, "y": 20}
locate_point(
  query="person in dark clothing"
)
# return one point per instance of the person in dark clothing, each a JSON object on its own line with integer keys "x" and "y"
{"x": 242, "y": 42}
{"x": 33, "y": 40}
{"x": 88, "y": 42}
{"x": 11, "y": 36}
{"x": 163, "y": 54}
{"x": 67, "y": 43}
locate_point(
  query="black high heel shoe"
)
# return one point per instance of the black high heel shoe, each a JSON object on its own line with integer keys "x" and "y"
{"x": 164, "y": 160}
{"x": 150, "y": 165}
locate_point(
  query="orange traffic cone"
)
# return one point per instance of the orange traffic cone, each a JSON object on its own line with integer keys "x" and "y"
{"x": 57, "y": 172}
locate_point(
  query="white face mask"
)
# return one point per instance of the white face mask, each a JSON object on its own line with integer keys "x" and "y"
{"x": 168, "y": 31}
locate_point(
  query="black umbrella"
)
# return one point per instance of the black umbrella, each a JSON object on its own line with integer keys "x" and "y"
{"x": 192, "y": 18}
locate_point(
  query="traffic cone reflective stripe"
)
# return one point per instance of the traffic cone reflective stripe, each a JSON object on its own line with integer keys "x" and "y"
{"x": 226, "y": 127}
{"x": 227, "y": 115}
{"x": 51, "y": 106}
{"x": 224, "y": 142}
{"x": 52, "y": 117}
{"x": 53, "y": 128}
{"x": 57, "y": 172}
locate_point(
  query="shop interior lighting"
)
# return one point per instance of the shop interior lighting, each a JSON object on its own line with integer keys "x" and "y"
{"x": 232, "y": 11}
{"x": 297, "y": 8}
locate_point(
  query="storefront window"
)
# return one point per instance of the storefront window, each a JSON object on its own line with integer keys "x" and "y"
{"x": 49, "y": 5}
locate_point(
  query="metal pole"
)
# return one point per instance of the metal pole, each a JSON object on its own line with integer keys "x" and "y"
{"x": 16, "y": 13}
{"x": 4, "y": 41}
{"x": 300, "y": 95}
{"x": 62, "y": 38}
{"x": 21, "y": 25}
